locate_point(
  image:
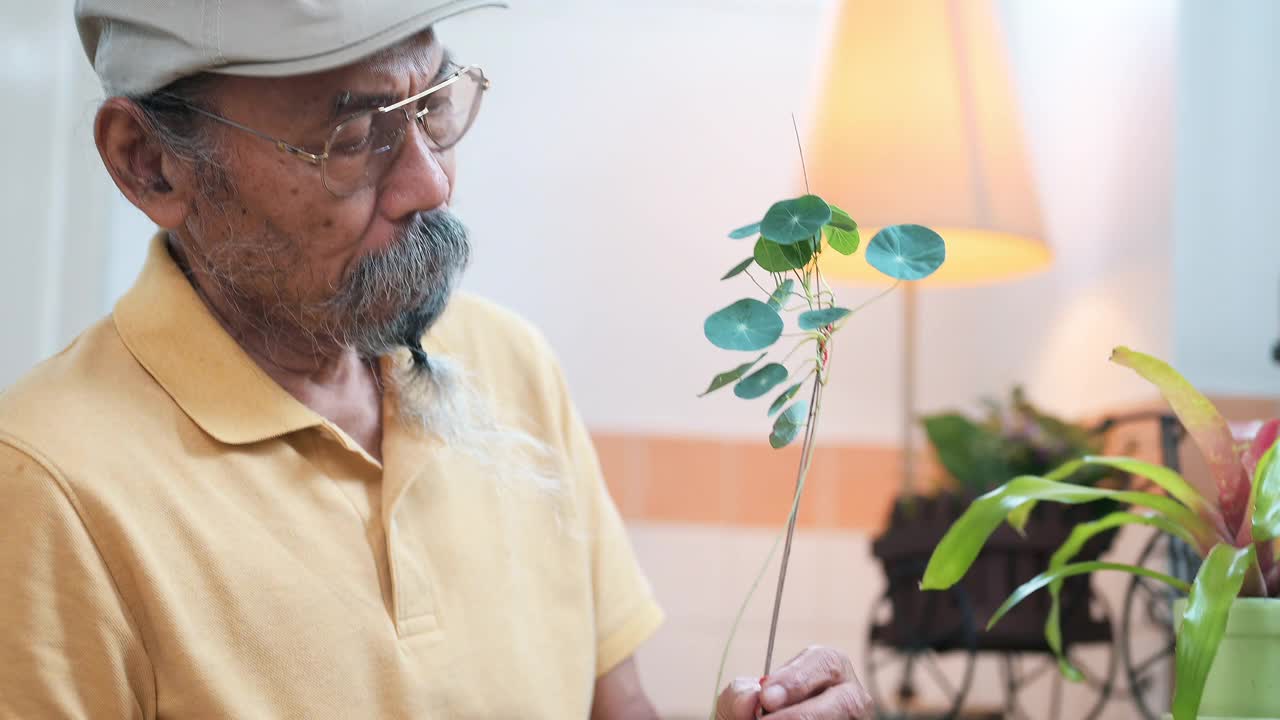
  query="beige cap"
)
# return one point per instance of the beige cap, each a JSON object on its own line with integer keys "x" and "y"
{"x": 137, "y": 46}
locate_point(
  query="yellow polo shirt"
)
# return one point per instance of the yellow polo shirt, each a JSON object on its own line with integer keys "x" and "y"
{"x": 181, "y": 538}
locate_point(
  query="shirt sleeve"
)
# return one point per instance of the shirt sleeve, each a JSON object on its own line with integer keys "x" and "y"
{"x": 626, "y": 612}
{"x": 69, "y": 647}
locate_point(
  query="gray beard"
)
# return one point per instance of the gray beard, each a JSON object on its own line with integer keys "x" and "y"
{"x": 386, "y": 302}
{"x": 390, "y": 300}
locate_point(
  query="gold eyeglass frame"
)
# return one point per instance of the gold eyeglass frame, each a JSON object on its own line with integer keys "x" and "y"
{"x": 320, "y": 158}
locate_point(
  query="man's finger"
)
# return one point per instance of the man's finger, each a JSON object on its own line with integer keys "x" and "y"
{"x": 804, "y": 676}
{"x": 848, "y": 701}
{"x": 739, "y": 700}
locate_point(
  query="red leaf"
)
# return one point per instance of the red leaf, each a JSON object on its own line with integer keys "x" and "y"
{"x": 1262, "y": 442}
{"x": 1206, "y": 426}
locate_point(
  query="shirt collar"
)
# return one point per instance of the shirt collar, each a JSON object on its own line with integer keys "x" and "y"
{"x": 173, "y": 334}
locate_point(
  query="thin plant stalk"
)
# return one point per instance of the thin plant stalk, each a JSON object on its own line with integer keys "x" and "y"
{"x": 806, "y": 458}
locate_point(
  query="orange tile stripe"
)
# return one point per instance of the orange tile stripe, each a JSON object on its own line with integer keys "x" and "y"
{"x": 741, "y": 482}
{"x": 747, "y": 483}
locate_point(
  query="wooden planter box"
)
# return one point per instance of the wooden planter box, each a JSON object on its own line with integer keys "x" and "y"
{"x": 955, "y": 619}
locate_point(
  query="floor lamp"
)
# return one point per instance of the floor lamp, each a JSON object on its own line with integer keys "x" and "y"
{"x": 917, "y": 123}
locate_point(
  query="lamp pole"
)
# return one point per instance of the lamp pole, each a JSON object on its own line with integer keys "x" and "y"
{"x": 909, "y": 318}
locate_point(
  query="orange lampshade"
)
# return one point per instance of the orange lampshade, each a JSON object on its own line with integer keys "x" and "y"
{"x": 917, "y": 123}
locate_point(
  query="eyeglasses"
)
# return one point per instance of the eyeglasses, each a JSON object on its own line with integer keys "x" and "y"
{"x": 360, "y": 148}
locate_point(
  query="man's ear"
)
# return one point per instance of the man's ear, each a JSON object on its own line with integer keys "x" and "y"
{"x": 150, "y": 177}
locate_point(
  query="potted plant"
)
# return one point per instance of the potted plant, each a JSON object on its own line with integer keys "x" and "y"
{"x": 1015, "y": 438}
{"x": 785, "y": 266}
{"x": 1228, "y": 637}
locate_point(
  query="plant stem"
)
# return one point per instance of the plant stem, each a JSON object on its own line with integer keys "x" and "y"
{"x": 737, "y": 621}
{"x": 806, "y": 458}
{"x": 803, "y": 169}
{"x": 878, "y": 296}
{"x": 757, "y": 282}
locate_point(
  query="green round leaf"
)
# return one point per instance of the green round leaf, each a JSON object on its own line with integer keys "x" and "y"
{"x": 725, "y": 378}
{"x": 841, "y": 220}
{"x": 761, "y": 381}
{"x": 739, "y": 268}
{"x": 745, "y": 231}
{"x": 784, "y": 398}
{"x": 845, "y": 242}
{"x": 814, "y": 319}
{"x": 790, "y": 221}
{"x": 907, "y": 252}
{"x": 779, "y": 296}
{"x": 781, "y": 258}
{"x": 745, "y": 325}
{"x": 842, "y": 232}
{"x": 788, "y": 424}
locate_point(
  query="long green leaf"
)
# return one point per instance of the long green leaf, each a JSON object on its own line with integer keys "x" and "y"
{"x": 1075, "y": 542}
{"x": 731, "y": 376}
{"x": 1216, "y": 587}
{"x": 1265, "y": 498}
{"x": 960, "y": 546}
{"x": 1204, "y": 423}
{"x": 745, "y": 231}
{"x": 1170, "y": 481}
{"x": 739, "y": 268}
{"x": 1018, "y": 518}
{"x": 784, "y": 398}
{"x": 1084, "y": 568}
{"x": 761, "y": 381}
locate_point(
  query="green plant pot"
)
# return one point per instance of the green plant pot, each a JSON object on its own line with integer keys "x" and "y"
{"x": 1245, "y": 679}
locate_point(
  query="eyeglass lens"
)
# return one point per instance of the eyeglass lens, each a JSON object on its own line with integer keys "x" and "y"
{"x": 363, "y": 147}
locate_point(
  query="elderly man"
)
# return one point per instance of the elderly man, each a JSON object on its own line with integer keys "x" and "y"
{"x": 293, "y": 475}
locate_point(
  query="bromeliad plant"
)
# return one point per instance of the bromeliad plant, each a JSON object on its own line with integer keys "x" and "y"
{"x": 786, "y": 267}
{"x": 1233, "y": 524}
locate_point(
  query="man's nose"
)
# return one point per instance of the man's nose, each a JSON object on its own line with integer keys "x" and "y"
{"x": 416, "y": 180}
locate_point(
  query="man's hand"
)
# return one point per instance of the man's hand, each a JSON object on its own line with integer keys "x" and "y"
{"x": 817, "y": 684}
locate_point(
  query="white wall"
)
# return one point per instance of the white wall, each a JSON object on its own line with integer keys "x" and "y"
{"x": 623, "y": 140}
{"x": 1227, "y": 261}
{"x": 53, "y": 192}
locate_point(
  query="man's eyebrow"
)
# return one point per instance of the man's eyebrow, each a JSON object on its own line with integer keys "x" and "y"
{"x": 348, "y": 102}
{"x": 446, "y": 64}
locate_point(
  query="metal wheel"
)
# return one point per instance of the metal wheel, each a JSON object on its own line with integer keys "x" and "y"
{"x": 930, "y": 671}
{"x": 1034, "y": 679}
{"x": 1146, "y": 634}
